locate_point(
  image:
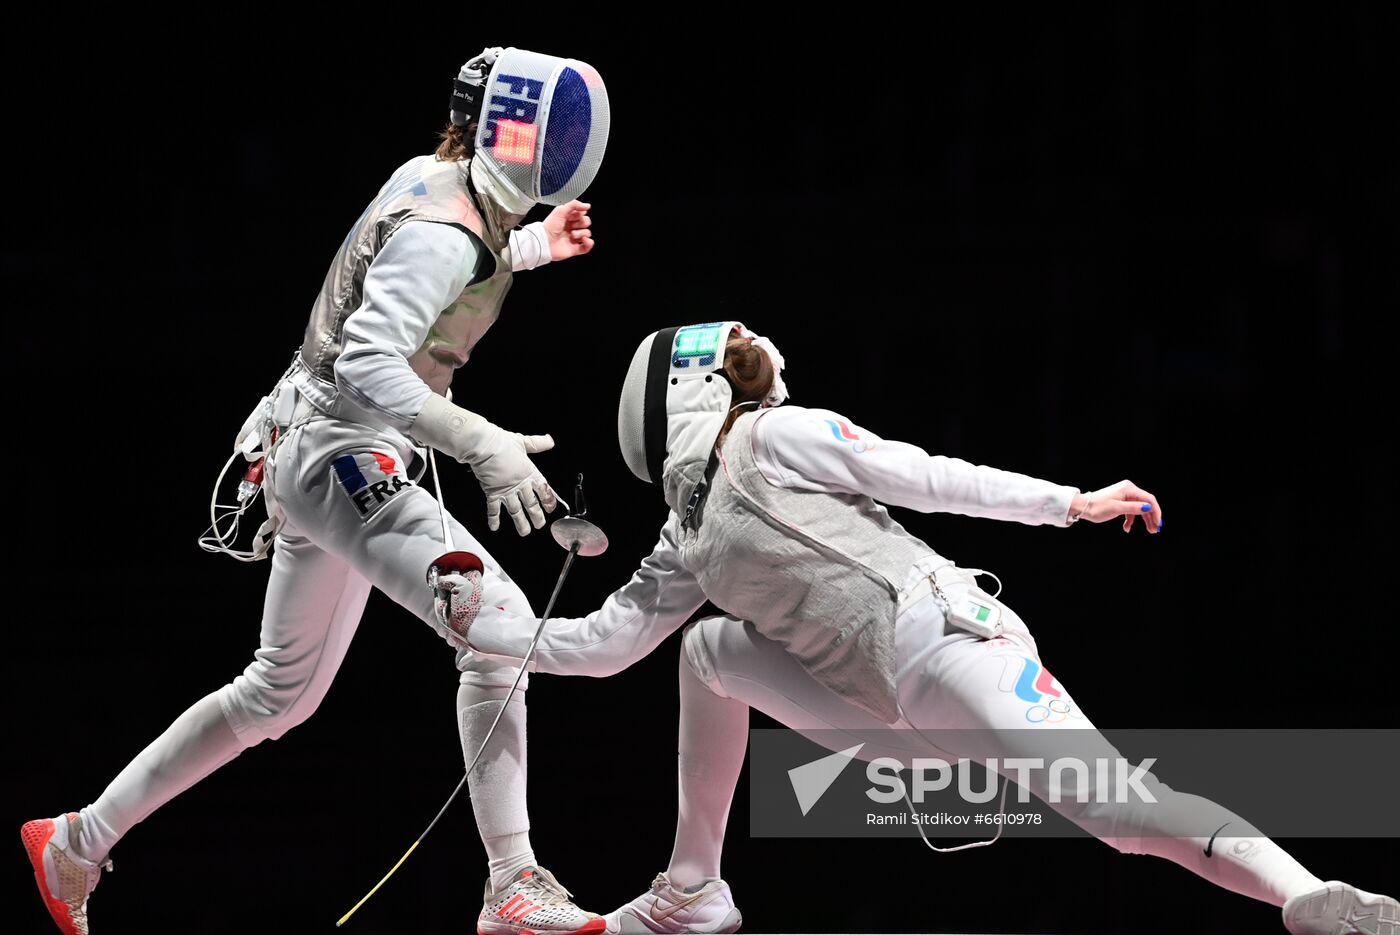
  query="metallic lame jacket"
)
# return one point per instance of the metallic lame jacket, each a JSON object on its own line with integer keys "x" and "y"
{"x": 422, "y": 189}
{"x": 819, "y": 573}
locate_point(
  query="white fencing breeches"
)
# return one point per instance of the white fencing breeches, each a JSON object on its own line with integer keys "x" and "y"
{"x": 948, "y": 680}
{"x": 327, "y": 557}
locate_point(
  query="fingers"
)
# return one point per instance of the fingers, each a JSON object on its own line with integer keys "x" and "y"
{"x": 524, "y": 508}
{"x": 532, "y": 507}
{"x": 534, "y": 444}
{"x": 573, "y": 214}
{"x": 547, "y": 497}
{"x": 1130, "y": 501}
{"x": 573, "y": 238}
{"x": 518, "y": 515}
{"x": 1130, "y": 510}
{"x": 527, "y": 508}
{"x": 1152, "y": 510}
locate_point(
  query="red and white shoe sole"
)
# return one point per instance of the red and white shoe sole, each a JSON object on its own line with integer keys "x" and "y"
{"x": 591, "y": 927}
{"x": 36, "y": 836}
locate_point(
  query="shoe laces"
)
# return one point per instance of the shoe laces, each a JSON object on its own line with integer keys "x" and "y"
{"x": 544, "y": 889}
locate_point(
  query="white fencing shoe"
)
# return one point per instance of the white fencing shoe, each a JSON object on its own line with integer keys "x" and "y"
{"x": 665, "y": 909}
{"x": 1339, "y": 909}
{"x": 64, "y": 878}
{"x": 534, "y": 903}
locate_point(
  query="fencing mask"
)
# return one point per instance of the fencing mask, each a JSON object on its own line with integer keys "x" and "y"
{"x": 675, "y": 401}
{"x": 542, "y": 122}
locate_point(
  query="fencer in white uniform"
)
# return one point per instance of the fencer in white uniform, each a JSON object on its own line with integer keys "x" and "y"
{"x": 838, "y": 620}
{"x": 415, "y": 285}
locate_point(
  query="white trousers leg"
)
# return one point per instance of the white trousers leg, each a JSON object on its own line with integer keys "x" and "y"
{"x": 1000, "y": 690}
{"x": 324, "y": 563}
{"x": 714, "y": 733}
{"x": 393, "y": 548}
{"x": 310, "y": 612}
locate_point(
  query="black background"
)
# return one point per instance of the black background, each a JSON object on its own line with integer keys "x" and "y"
{"x": 1156, "y": 245}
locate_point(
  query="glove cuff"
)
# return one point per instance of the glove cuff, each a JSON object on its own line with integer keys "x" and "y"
{"x": 449, "y": 428}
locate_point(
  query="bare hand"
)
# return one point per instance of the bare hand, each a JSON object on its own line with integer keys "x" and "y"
{"x": 568, "y": 228}
{"x": 1124, "y": 499}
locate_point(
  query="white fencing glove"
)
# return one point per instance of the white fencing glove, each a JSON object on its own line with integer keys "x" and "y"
{"x": 500, "y": 460}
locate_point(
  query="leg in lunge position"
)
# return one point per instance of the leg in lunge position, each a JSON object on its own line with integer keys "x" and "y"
{"x": 841, "y": 620}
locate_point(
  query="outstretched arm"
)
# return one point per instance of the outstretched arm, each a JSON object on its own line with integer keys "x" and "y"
{"x": 821, "y": 450}
{"x": 632, "y": 622}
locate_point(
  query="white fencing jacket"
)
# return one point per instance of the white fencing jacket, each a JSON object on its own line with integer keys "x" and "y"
{"x": 805, "y": 449}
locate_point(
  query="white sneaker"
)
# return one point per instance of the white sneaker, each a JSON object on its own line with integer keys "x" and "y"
{"x": 1339, "y": 909}
{"x": 64, "y": 878}
{"x": 667, "y": 909}
{"x": 534, "y": 903}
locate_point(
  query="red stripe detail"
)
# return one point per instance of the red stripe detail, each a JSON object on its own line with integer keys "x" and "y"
{"x": 509, "y": 903}
{"x": 386, "y": 463}
{"x": 525, "y": 909}
{"x": 846, "y": 431}
{"x": 1043, "y": 685}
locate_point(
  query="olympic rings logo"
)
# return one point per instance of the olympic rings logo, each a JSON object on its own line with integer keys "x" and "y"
{"x": 1057, "y": 711}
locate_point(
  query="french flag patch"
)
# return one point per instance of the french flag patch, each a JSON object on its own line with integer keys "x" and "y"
{"x": 370, "y": 479}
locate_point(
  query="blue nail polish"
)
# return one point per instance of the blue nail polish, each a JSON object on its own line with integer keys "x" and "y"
{"x": 1146, "y": 507}
{"x": 1159, "y": 527}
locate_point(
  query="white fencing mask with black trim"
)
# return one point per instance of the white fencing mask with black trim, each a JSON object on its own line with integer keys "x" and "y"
{"x": 675, "y": 401}
{"x": 675, "y": 398}
{"x": 542, "y": 121}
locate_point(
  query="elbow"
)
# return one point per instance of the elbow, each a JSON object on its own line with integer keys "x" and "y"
{"x": 605, "y": 668}
{"x": 366, "y": 379}
{"x": 349, "y": 370}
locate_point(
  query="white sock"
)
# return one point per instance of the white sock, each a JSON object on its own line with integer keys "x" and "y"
{"x": 197, "y": 743}
{"x": 498, "y": 782}
{"x": 714, "y": 733}
{"x": 507, "y": 855}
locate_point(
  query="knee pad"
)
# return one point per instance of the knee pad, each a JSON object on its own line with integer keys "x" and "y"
{"x": 498, "y": 781}
{"x": 699, "y": 657}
